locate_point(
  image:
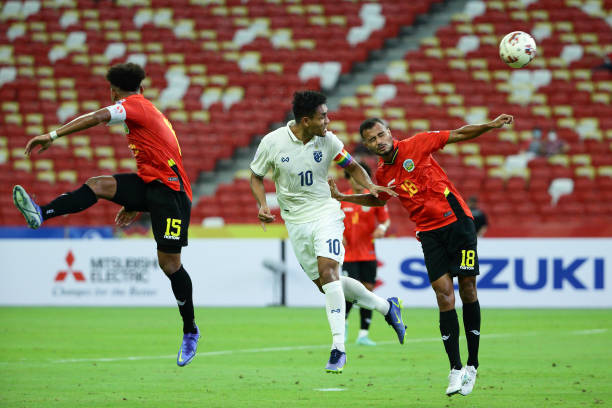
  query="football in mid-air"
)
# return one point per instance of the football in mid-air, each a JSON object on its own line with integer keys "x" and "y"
{"x": 517, "y": 49}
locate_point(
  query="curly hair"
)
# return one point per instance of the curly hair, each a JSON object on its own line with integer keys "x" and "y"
{"x": 126, "y": 77}
{"x": 305, "y": 104}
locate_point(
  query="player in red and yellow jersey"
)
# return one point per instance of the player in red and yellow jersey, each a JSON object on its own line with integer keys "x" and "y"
{"x": 160, "y": 187}
{"x": 362, "y": 225}
{"x": 444, "y": 225}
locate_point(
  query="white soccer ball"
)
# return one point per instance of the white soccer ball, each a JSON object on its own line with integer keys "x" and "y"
{"x": 517, "y": 49}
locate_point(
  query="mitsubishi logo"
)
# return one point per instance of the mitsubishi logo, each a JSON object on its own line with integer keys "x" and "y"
{"x": 78, "y": 275}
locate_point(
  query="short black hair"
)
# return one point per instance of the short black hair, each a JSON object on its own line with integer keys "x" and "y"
{"x": 126, "y": 77}
{"x": 369, "y": 124}
{"x": 365, "y": 166}
{"x": 305, "y": 104}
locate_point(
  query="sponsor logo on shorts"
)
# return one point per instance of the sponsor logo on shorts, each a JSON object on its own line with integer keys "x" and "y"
{"x": 176, "y": 238}
{"x": 471, "y": 268}
{"x": 408, "y": 165}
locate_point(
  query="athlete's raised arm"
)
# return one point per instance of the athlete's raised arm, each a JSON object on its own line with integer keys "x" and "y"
{"x": 361, "y": 177}
{"x": 81, "y": 123}
{"x": 367, "y": 200}
{"x": 471, "y": 131}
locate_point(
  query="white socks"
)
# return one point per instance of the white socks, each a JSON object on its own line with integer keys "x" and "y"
{"x": 354, "y": 291}
{"x": 362, "y": 333}
{"x": 335, "y": 308}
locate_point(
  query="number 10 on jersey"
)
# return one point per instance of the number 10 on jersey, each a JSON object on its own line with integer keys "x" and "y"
{"x": 334, "y": 246}
{"x": 305, "y": 178}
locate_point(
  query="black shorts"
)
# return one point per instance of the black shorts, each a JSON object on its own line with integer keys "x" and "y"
{"x": 452, "y": 248}
{"x": 170, "y": 210}
{"x": 363, "y": 271}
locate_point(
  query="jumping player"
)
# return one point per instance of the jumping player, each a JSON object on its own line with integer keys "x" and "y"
{"x": 444, "y": 226}
{"x": 362, "y": 225}
{"x": 299, "y": 156}
{"x": 160, "y": 187}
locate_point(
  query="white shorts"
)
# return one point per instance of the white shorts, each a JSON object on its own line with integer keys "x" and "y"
{"x": 322, "y": 237}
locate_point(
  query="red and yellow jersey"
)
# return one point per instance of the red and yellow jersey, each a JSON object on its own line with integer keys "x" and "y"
{"x": 359, "y": 225}
{"x": 419, "y": 180}
{"x": 152, "y": 141}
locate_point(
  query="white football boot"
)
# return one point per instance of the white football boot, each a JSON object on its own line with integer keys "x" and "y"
{"x": 470, "y": 380}
{"x": 455, "y": 381}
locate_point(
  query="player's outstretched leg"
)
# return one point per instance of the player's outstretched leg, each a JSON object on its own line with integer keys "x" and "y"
{"x": 354, "y": 291}
{"x": 394, "y": 318}
{"x": 30, "y": 210}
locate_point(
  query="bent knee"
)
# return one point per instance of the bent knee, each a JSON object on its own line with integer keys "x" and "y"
{"x": 103, "y": 186}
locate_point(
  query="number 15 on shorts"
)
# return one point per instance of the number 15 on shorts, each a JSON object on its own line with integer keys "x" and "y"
{"x": 173, "y": 228}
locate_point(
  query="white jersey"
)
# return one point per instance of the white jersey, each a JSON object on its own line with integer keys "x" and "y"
{"x": 300, "y": 172}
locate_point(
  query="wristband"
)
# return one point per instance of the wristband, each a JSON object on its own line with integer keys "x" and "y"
{"x": 53, "y": 135}
{"x": 383, "y": 226}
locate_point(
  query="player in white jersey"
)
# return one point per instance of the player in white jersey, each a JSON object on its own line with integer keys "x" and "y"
{"x": 299, "y": 156}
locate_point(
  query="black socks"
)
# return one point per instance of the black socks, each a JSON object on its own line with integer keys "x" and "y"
{"x": 471, "y": 323}
{"x": 181, "y": 287}
{"x": 365, "y": 314}
{"x": 366, "y": 318}
{"x": 449, "y": 329}
{"x": 68, "y": 203}
{"x": 347, "y": 308}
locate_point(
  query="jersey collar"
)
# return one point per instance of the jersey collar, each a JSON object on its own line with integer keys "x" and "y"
{"x": 396, "y": 149}
{"x": 291, "y": 135}
{"x": 294, "y": 138}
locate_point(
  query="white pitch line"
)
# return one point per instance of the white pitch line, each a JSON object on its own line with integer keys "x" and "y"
{"x": 592, "y": 331}
{"x": 285, "y": 348}
{"x": 329, "y": 389}
{"x": 264, "y": 350}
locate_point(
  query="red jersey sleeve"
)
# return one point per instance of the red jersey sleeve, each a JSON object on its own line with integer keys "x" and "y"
{"x": 432, "y": 141}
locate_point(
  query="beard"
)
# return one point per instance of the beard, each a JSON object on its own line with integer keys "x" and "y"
{"x": 387, "y": 151}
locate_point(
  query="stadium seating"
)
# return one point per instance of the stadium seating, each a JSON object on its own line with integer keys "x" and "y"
{"x": 457, "y": 77}
{"x": 222, "y": 71}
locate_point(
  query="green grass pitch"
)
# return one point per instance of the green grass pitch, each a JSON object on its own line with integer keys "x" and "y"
{"x": 275, "y": 357}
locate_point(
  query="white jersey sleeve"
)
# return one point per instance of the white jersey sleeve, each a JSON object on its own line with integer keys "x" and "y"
{"x": 117, "y": 112}
{"x": 261, "y": 162}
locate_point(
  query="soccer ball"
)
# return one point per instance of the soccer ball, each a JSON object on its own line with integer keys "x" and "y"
{"x": 517, "y": 49}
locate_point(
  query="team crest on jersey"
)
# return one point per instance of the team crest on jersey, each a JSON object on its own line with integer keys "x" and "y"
{"x": 408, "y": 165}
{"x": 318, "y": 155}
